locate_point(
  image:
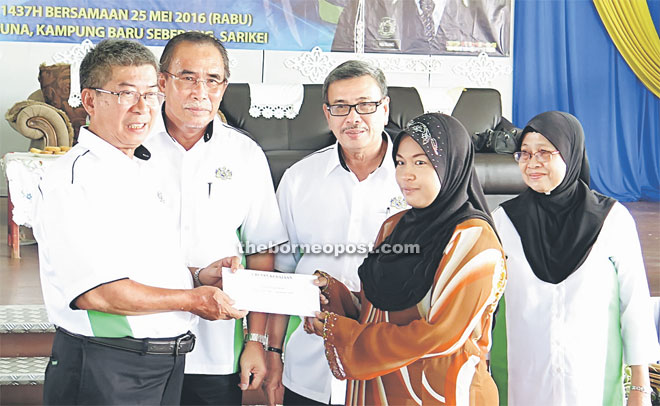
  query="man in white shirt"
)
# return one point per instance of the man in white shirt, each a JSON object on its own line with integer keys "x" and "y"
{"x": 218, "y": 184}
{"x": 339, "y": 195}
{"x": 114, "y": 282}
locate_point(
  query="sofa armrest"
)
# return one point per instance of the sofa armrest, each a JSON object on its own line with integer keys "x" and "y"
{"x": 43, "y": 123}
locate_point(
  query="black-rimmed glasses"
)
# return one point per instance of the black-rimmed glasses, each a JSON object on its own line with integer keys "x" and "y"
{"x": 360, "y": 108}
{"x": 130, "y": 97}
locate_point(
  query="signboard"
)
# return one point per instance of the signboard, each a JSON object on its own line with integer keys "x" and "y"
{"x": 458, "y": 26}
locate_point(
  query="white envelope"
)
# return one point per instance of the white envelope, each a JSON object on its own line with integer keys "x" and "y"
{"x": 272, "y": 292}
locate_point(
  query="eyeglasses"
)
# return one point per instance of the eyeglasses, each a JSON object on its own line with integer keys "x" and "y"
{"x": 360, "y": 108}
{"x": 541, "y": 156}
{"x": 130, "y": 98}
{"x": 188, "y": 82}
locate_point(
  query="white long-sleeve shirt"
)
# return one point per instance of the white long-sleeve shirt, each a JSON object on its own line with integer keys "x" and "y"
{"x": 566, "y": 343}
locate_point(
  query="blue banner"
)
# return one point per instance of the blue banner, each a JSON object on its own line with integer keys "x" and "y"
{"x": 449, "y": 27}
{"x": 248, "y": 24}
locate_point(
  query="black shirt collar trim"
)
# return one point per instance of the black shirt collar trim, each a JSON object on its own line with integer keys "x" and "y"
{"x": 208, "y": 132}
{"x": 141, "y": 152}
{"x": 342, "y": 161}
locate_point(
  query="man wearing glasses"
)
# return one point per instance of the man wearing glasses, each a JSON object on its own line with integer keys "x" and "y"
{"x": 218, "y": 184}
{"x": 113, "y": 281}
{"x": 338, "y": 195}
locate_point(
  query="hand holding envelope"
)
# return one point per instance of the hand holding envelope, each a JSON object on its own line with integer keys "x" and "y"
{"x": 211, "y": 275}
{"x": 272, "y": 292}
{"x": 314, "y": 325}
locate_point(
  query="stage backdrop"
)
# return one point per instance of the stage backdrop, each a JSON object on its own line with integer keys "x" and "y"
{"x": 565, "y": 60}
{"x": 457, "y": 27}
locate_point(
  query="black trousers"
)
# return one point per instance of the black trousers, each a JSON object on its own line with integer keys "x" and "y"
{"x": 211, "y": 390}
{"x": 292, "y": 398}
{"x": 82, "y": 372}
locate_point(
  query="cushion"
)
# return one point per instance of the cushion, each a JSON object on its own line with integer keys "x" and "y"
{"x": 55, "y": 83}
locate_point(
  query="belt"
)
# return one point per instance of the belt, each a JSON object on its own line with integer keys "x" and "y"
{"x": 182, "y": 344}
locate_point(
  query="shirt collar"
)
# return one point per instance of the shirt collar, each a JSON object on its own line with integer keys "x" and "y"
{"x": 337, "y": 159}
{"x": 333, "y": 159}
{"x": 104, "y": 149}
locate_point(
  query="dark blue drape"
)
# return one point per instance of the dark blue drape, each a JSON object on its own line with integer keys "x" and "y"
{"x": 565, "y": 60}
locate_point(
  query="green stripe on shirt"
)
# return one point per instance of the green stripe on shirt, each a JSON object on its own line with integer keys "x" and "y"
{"x": 294, "y": 322}
{"x": 239, "y": 338}
{"x": 613, "y": 384}
{"x": 109, "y": 325}
{"x": 499, "y": 363}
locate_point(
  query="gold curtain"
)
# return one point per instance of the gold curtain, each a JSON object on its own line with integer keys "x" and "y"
{"x": 631, "y": 28}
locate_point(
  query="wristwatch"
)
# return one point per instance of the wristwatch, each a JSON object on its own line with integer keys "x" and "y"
{"x": 196, "y": 277}
{"x": 260, "y": 338}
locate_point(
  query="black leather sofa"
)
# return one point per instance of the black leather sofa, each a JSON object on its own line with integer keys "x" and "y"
{"x": 480, "y": 110}
{"x": 285, "y": 141}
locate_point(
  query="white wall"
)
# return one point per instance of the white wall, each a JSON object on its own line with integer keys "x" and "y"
{"x": 439, "y": 79}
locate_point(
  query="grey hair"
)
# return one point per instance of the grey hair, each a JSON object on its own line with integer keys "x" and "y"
{"x": 194, "y": 37}
{"x": 96, "y": 67}
{"x": 355, "y": 69}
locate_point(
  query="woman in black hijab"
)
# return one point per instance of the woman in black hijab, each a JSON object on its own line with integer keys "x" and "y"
{"x": 422, "y": 332}
{"x": 577, "y": 301}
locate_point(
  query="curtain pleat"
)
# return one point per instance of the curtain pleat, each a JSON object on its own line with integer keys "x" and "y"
{"x": 631, "y": 28}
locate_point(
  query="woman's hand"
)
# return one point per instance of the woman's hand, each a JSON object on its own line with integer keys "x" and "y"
{"x": 639, "y": 376}
{"x": 322, "y": 280}
{"x": 636, "y": 398}
{"x": 314, "y": 325}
